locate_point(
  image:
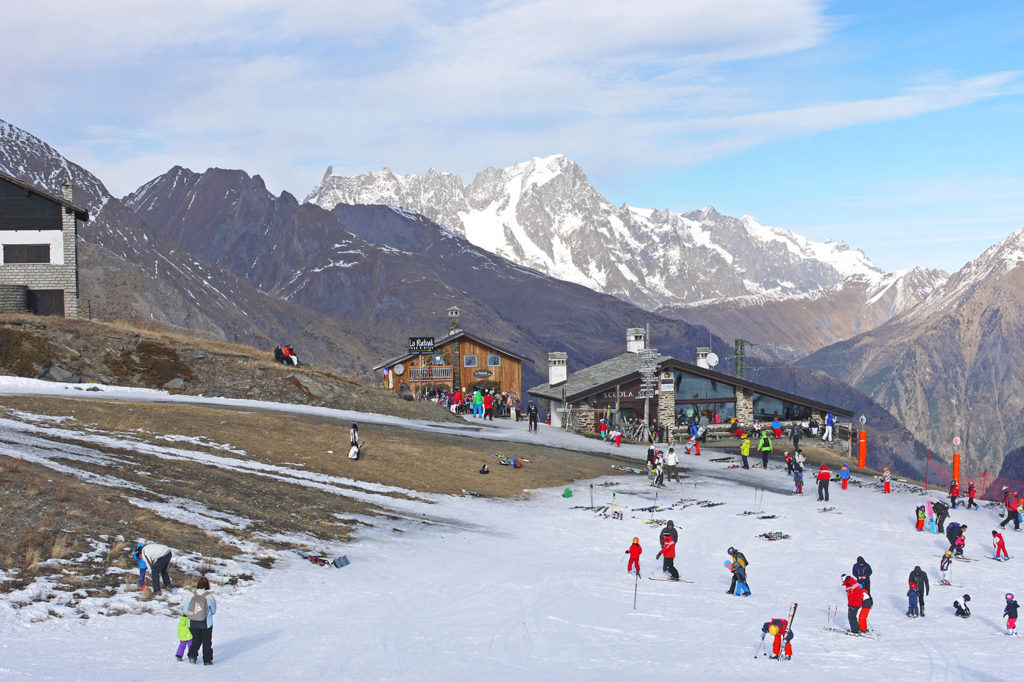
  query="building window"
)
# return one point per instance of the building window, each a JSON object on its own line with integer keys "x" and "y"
{"x": 494, "y": 361}
{"x": 469, "y": 361}
{"x": 26, "y": 253}
{"x": 693, "y": 387}
{"x": 768, "y": 407}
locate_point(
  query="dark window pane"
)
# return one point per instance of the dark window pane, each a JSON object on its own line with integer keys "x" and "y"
{"x": 26, "y": 253}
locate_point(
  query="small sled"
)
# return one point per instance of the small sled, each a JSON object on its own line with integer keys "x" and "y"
{"x": 324, "y": 561}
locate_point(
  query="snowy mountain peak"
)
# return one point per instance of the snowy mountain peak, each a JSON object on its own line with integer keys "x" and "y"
{"x": 544, "y": 214}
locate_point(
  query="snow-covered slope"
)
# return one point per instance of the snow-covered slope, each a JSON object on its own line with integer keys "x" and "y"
{"x": 537, "y": 590}
{"x": 543, "y": 213}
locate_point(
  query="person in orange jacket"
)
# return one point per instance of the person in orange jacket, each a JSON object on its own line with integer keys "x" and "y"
{"x": 668, "y": 551}
{"x": 634, "y": 552}
{"x": 1000, "y": 545}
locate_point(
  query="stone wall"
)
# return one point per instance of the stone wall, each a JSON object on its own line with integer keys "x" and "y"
{"x": 744, "y": 405}
{"x": 666, "y": 401}
{"x": 12, "y": 298}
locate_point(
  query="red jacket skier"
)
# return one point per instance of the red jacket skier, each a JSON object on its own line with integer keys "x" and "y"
{"x": 887, "y": 478}
{"x": 1000, "y": 545}
{"x": 854, "y": 599}
{"x": 778, "y": 627}
{"x": 972, "y": 492}
{"x": 823, "y": 477}
{"x": 954, "y": 492}
{"x": 668, "y": 551}
{"x": 634, "y": 552}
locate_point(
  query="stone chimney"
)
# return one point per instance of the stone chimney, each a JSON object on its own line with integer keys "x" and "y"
{"x": 558, "y": 372}
{"x": 702, "y": 357}
{"x": 453, "y": 319}
{"x": 636, "y": 339}
{"x": 68, "y": 190}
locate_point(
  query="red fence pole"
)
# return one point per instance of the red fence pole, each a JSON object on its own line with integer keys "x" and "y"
{"x": 984, "y": 478}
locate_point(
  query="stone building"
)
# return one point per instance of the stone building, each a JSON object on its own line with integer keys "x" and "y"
{"x": 39, "y": 250}
{"x": 681, "y": 392}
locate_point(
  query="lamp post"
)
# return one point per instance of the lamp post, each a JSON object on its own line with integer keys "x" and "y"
{"x": 862, "y": 443}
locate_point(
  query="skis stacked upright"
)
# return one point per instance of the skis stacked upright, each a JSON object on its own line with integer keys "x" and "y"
{"x": 785, "y": 630}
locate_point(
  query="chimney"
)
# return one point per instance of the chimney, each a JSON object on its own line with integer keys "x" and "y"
{"x": 702, "y": 357}
{"x": 68, "y": 190}
{"x": 557, "y": 370}
{"x": 453, "y": 319}
{"x": 636, "y": 339}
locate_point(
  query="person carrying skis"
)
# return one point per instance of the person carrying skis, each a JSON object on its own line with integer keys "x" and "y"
{"x": 1010, "y": 502}
{"x": 920, "y": 578}
{"x": 1010, "y": 612}
{"x": 944, "y": 563}
{"x": 779, "y": 628}
{"x": 920, "y": 518}
{"x": 954, "y": 492}
{"x": 1000, "y": 545}
{"x": 886, "y": 480}
{"x": 941, "y": 514}
{"x": 764, "y": 446}
{"x": 668, "y": 554}
{"x": 634, "y": 552}
{"x": 912, "y": 597}
{"x": 862, "y": 572}
{"x": 824, "y": 476}
{"x": 962, "y": 611}
{"x": 844, "y": 475}
{"x": 854, "y": 600}
{"x": 971, "y": 492}
{"x": 745, "y": 451}
{"x": 737, "y": 559}
{"x": 798, "y": 480}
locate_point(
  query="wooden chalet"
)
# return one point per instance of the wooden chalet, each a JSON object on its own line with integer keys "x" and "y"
{"x": 459, "y": 360}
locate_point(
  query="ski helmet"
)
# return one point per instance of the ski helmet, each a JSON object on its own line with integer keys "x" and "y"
{"x": 731, "y": 550}
{"x": 913, "y": 586}
{"x": 773, "y": 630}
{"x": 1009, "y": 596}
{"x": 669, "y": 523}
{"x": 967, "y": 597}
{"x": 636, "y": 541}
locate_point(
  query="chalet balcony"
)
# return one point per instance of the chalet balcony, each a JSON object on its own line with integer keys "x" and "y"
{"x": 430, "y": 373}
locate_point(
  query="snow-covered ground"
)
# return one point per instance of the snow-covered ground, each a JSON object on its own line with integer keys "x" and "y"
{"x": 537, "y": 590}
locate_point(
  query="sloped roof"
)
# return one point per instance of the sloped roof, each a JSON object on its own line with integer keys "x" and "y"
{"x": 80, "y": 213}
{"x": 458, "y": 333}
{"x": 626, "y": 368}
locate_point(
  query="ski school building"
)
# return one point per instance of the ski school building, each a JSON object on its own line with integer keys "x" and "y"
{"x": 676, "y": 392}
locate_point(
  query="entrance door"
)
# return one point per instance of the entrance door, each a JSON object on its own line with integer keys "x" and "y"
{"x": 45, "y": 301}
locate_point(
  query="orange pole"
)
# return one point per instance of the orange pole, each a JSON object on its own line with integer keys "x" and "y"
{"x": 862, "y": 449}
{"x": 956, "y": 468}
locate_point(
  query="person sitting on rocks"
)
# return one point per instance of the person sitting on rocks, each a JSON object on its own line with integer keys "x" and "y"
{"x": 279, "y": 354}
{"x": 290, "y": 358}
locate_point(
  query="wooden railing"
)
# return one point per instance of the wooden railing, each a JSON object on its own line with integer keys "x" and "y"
{"x": 430, "y": 373}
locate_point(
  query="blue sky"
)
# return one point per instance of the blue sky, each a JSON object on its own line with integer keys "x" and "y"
{"x": 892, "y": 126}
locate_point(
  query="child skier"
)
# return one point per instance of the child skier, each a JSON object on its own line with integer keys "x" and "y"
{"x": 920, "y": 519}
{"x": 944, "y": 562}
{"x": 184, "y": 637}
{"x": 971, "y": 492}
{"x": 1000, "y": 545}
{"x": 739, "y": 573}
{"x": 1011, "y": 614}
{"x": 745, "y": 451}
{"x": 887, "y": 480}
{"x": 958, "y": 546}
{"x": 668, "y": 551}
{"x": 137, "y": 555}
{"x": 634, "y": 552}
{"x": 962, "y": 610}
{"x": 776, "y": 627}
{"x": 912, "y": 596}
{"x": 659, "y": 469}
{"x": 954, "y": 492}
{"x": 798, "y": 480}
{"x": 844, "y": 474}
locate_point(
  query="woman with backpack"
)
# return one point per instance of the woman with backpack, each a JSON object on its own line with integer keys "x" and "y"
{"x": 200, "y": 608}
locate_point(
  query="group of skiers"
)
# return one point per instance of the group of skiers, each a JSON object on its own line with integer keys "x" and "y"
{"x": 663, "y": 465}
{"x": 668, "y": 538}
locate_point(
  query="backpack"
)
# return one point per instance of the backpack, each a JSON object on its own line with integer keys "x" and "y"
{"x": 197, "y": 608}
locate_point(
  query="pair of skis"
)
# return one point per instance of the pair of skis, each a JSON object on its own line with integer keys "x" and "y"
{"x": 785, "y": 631}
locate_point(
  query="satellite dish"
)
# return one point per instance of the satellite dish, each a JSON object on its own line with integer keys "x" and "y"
{"x": 712, "y": 359}
{"x": 399, "y": 369}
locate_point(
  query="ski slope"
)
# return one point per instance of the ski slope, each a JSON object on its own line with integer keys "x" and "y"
{"x": 539, "y": 591}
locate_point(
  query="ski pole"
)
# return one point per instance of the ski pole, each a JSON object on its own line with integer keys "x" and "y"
{"x": 591, "y": 495}
{"x": 759, "y": 649}
{"x": 655, "y": 504}
{"x": 636, "y": 584}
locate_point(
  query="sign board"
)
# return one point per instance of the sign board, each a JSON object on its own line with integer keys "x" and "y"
{"x": 421, "y": 344}
{"x": 648, "y": 358}
{"x": 482, "y": 373}
{"x": 863, "y": 420}
{"x": 956, "y": 440}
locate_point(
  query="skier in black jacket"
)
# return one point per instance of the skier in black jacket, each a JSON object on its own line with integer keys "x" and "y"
{"x": 862, "y": 572}
{"x": 921, "y": 579}
{"x": 941, "y": 510}
{"x": 741, "y": 561}
{"x": 668, "y": 531}
{"x": 532, "y": 413}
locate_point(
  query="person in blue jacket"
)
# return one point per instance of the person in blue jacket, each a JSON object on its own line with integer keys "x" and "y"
{"x": 830, "y": 422}
{"x": 862, "y": 572}
{"x": 137, "y": 555}
{"x": 844, "y": 474}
